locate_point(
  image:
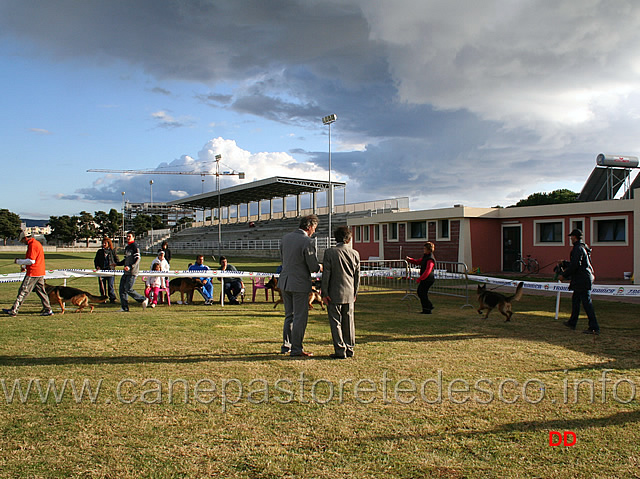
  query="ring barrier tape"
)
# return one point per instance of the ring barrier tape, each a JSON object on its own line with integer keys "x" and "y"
{"x": 630, "y": 291}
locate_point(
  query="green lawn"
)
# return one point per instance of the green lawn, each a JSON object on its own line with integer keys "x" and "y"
{"x": 198, "y": 391}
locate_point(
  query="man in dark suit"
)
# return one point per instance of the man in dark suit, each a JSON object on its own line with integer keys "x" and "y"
{"x": 340, "y": 281}
{"x": 299, "y": 260}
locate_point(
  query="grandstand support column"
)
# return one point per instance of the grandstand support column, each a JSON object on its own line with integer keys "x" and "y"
{"x": 298, "y": 205}
{"x": 270, "y": 208}
{"x": 314, "y": 203}
{"x": 259, "y": 205}
{"x": 284, "y": 206}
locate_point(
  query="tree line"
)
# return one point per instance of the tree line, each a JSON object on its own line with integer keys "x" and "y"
{"x": 67, "y": 229}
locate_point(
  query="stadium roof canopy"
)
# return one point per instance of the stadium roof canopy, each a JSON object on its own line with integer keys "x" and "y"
{"x": 267, "y": 189}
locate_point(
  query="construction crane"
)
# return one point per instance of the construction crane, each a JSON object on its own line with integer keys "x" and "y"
{"x": 217, "y": 174}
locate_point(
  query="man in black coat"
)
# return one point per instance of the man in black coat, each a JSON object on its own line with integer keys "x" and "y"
{"x": 106, "y": 259}
{"x": 131, "y": 263}
{"x": 581, "y": 276}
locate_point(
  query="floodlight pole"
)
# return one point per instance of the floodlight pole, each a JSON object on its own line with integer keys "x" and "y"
{"x": 123, "y": 219}
{"x": 327, "y": 120}
{"x": 151, "y": 211}
{"x": 241, "y": 176}
{"x": 218, "y": 158}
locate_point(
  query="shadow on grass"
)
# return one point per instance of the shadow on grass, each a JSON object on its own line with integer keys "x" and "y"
{"x": 379, "y": 338}
{"x": 616, "y": 419}
{"x": 157, "y": 359}
{"x": 179, "y": 359}
{"x": 384, "y": 320}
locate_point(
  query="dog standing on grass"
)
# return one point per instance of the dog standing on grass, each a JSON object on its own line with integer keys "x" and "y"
{"x": 490, "y": 299}
{"x": 185, "y": 286}
{"x": 315, "y": 296}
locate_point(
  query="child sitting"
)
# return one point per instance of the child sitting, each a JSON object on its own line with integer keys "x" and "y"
{"x": 153, "y": 285}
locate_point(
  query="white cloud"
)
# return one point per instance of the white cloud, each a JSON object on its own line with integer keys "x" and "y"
{"x": 179, "y": 193}
{"x": 40, "y": 131}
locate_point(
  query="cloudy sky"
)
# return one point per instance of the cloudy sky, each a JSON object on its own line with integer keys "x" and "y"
{"x": 447, "y": 102}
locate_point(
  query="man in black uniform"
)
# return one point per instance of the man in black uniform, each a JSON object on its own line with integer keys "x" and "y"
{"x": 581, "y": 276}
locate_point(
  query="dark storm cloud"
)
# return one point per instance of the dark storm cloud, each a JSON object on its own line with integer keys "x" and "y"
{"x": 460, "y": 98}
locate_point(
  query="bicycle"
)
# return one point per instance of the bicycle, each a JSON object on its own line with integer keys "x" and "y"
{"x": 526, "y": 265}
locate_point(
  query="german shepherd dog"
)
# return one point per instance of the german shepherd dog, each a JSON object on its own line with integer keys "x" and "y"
{"x": 315, "y": 296}
{"x": 490, "y": 299}
{"x": 272, "y": 285}
{"x": 185, "y": 286}
{"x": 79, "y": 298}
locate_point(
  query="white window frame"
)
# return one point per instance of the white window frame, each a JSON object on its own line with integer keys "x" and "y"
{"x": 389, "y": 238}
{"x": 376, "y": 233}
{"x": 573, "y": 225}
{"x": 439, "y": 235}
{"x": 407, "y": 231}
{"x": 366, "y": 234}
{"x": 594, "y": 231}
{"x": 536, "y": 232}
{"x": 357, "y": 234}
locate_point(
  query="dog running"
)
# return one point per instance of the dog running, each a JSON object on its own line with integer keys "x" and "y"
{"x": 77, "y": 297}
{"x": 490, "y": 299}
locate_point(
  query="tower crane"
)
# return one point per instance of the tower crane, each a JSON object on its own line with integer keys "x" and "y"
{"x": 217, "y": 174}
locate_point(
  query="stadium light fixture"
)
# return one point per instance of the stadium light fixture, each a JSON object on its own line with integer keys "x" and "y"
{"x": 328, "y": 120}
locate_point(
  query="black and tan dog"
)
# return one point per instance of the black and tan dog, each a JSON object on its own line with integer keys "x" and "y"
{"x": 185, "y": 286}
{"x": 77, "y": 297}
{"x": 315, "y": 295}
{"x": 490, "y": 299}
{"x": 272, "y": 285}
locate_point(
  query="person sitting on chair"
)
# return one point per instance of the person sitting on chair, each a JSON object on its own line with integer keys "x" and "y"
{"x": 207, "y": 285}
{"x": 232, "y": 286}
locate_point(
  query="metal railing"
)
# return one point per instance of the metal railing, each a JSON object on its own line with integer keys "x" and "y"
{"x": 452, "y": 280}
{"x": 273, "y": 244}
{"x": 377, "y": 276}
{"x": 398, "y": 275}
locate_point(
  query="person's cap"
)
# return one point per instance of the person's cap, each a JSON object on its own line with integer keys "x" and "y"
{"x": 160, "y": 252}
{"x": 22, "y": 235}
{"x": 577, "y": 233}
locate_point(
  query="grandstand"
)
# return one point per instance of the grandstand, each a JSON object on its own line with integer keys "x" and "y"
{"x": 259, "y": 234}
{"x": 251, "y": 236}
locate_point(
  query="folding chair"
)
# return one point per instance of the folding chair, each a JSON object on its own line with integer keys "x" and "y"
{"x": 260, "y": 283}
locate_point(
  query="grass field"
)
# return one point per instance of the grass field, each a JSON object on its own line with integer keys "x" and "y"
{"x": 200, "y": 391}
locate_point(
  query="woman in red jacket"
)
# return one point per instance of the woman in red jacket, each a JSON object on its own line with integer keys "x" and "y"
{"x": 427, "y": 277}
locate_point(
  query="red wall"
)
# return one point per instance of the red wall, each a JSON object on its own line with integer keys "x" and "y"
{"x": 445, "y": 250}
{"x": 486, "y": 241}
{"x": 610, "y": 262}
{"x": 365, "y": 249}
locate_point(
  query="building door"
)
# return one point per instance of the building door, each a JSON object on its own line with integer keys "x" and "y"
{"x": 511, "y": 246}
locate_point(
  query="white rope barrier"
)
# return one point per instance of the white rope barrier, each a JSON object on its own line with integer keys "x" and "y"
{"x": 630, "y": 291}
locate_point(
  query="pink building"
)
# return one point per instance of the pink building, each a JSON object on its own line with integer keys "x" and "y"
{"x": 493, "y": 238}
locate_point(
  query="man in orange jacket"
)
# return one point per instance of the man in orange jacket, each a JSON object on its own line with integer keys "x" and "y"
{"x": 33, "y": 263}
